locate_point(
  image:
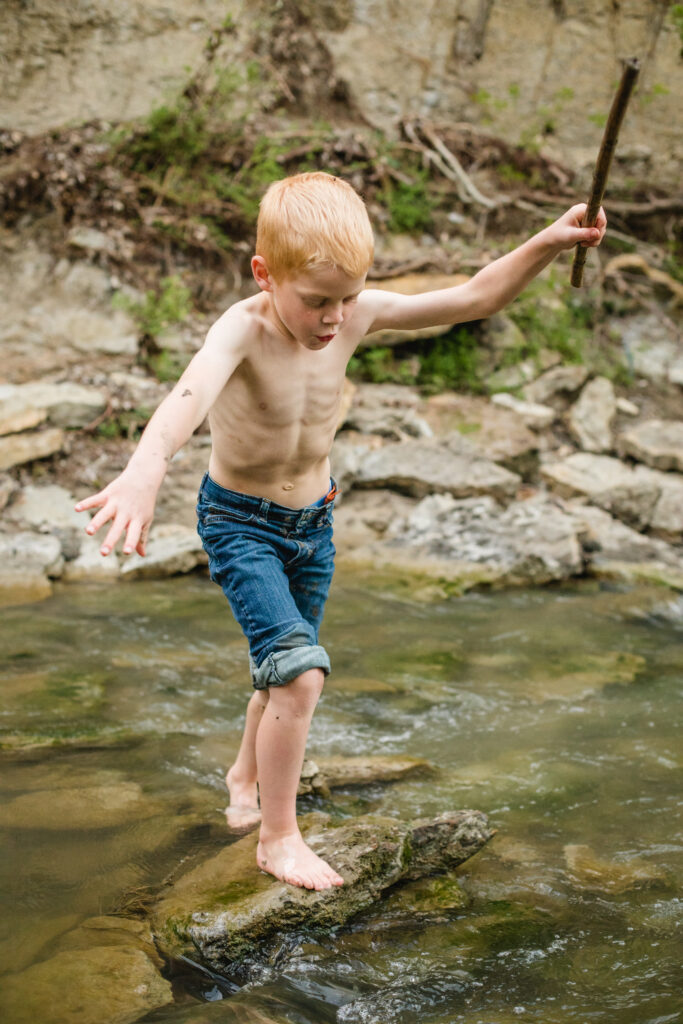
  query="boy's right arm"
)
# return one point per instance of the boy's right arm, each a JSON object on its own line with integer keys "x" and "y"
{"x": 129, "y": 500}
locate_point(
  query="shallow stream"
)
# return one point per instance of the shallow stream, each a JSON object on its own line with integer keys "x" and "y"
{"x": 555, "y": 711}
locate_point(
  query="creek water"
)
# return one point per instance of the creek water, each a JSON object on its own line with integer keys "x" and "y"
{"x": 554, "y": 711}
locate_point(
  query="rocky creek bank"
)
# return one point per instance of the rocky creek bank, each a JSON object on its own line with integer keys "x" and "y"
{"x": 559, "y": 474}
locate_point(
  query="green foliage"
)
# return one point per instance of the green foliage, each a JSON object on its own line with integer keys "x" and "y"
{"x": 677, "y": 18}
{"x": 167, "y": 365}
{"x": 450, "y": 361}
{"x": 171, "y": 136}
{"x": 126, "y": 423}
{"x": 160, "y": 309}
{"x": 561, "y": 323}
{"x": 410, "y": 205}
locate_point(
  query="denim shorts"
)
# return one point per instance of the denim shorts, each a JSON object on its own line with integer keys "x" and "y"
{"x": 274, "y": 565}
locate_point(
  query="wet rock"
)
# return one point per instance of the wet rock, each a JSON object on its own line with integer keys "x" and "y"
{"x": 83, "y": 807}
{"x": 387, "y": 410}
{"x": 450, "y": 466}
{"x": 560, "y": 380}
{"x": 110, "y": 931}
{"x": 226, "y": 909}
{"x": 593, "y": 874}
{"x": 171, "y": 550}
{"x": 324, "y": 774}
{"x": 535, "y": 416}
{"x": 494, "y": 432}
{"x": 590, "y": 673}
{"x": 28, "y": 561}
{"x": 88, "y": 563}
{"x": 18, "y": 449}
{"x": 530, "y": 541}
{"x": 85, "y": 986}
{"x": 590, "y": 418}
{"x": 657, "y": 443}
{"x": 641, "y": 496}
{"x": 416, "y": 904}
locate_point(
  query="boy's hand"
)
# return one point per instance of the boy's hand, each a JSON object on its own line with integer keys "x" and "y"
{"x": 129, "y": 502}
{"x": 567, "y": 231}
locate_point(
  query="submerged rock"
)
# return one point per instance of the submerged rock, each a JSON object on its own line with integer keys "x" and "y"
{"x": 227, "y": 910}
{"x": 85, "y": 986}
{"x": 84, "y": 807}
{"x": 590, "y": 872}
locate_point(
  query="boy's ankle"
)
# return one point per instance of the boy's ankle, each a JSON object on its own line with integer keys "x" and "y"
{"x": 235, "y": 775}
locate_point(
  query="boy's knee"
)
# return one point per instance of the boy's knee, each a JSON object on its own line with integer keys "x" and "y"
{"x": 294, "y": 653}
{"x": 303, "y": 691}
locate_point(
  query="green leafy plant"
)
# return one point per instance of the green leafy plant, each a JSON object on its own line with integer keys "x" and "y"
{"x": 160, "y": 309}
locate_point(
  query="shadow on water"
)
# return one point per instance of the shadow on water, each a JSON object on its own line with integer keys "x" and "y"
{"x": 554, "y": 711}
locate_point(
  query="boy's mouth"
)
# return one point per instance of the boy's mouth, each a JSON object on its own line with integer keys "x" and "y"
{"x": 325, "y": 337}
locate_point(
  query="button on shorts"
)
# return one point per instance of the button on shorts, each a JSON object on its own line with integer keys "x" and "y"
{"x": 275, "y": 565}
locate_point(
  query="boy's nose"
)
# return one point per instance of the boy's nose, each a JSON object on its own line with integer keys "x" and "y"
{"x": 333, "y": 316}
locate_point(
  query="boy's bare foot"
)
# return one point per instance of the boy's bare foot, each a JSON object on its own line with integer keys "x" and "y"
{"x": 243, "y": 811}
{"x": 291, "y": 860}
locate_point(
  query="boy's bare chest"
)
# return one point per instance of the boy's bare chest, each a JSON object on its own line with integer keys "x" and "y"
{"x": 284, "y": 392}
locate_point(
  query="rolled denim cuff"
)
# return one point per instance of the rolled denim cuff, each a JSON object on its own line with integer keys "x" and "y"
{"x": 280, "y": 667}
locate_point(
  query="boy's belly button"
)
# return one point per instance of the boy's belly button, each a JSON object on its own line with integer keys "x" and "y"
{"x": 288, "y": 487}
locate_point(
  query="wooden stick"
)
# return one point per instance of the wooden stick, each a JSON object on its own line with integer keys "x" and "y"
{"x": 607, "y": 147}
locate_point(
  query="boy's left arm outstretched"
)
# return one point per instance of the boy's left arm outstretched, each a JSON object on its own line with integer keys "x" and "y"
{"x": 490, "y": 289}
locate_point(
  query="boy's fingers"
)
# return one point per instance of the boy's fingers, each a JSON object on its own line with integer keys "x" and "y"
{"x": 115, "y": 531}
{"x": 133, "y": 537}
{"x": 92, "y": 502}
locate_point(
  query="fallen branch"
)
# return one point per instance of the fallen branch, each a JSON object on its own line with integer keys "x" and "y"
{"x": 607, "y": 148}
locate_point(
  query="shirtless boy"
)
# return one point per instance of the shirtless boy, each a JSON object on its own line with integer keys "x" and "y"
{"x": 270, "y": 377}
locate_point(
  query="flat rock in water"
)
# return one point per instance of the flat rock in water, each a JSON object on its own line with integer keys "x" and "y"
{"x": 451, "y": 466}
{"x": 594, "y": 874}
{"x": 85, "y": 986}
{"x": 28, "y": 561}
{"x": 589, "y": 674}
{"x": 83, "y": 807}
{"x": 322, "y": 774}
{"x": 226, "y": 909}
{"x": 657, "y": 443}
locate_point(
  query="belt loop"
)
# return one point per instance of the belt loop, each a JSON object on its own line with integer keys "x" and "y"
{"x": 263, "y": 509}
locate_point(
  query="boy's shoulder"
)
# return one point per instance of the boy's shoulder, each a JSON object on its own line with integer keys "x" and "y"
{"x": 241, "y": 322}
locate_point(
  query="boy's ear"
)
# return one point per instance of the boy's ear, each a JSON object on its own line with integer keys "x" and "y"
{"x": 261, "y": 273}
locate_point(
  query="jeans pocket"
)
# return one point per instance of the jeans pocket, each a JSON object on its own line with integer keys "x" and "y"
{"x": 209, "y": 514}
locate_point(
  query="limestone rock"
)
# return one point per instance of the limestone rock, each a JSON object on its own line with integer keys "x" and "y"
{"x": 494, "y": 432}
{"x": 226, "y": 909}
{"x": 171, "y": 550}
{"x": 16, "y": 413}
{"x": 89, "y": 564}
{"x": 529, "y": 542}
{"x": 613, "y": 549}
{"x": 590, "y": 418}
{"x": 594, "y": 874}
{"x": 641, "y": 496}
{"x": 18, "y": 449}
{"x": 655, "y": 351}
{"x": 324, "y": 774}
{"x": 534, "y": 415}
{"x": 85, "y": 986}
{"x": 27, "y": 563}
{"x": 657, "y": 443}
{"x": 450, "y": 466}
{"x": 347, "y": 454}
{"x": 387, "y": 410}
{"x": 84, "y": 237}
{"x": 66, "y": 404}
{"x": 626, "y": 407}
{"x": 81, "y": 808}
{"x": 560, "y": 380}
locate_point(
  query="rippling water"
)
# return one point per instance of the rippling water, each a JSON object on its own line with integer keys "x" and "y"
{"x": 555, "y": 711}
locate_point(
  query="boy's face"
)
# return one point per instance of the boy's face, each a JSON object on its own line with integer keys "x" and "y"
{"x": 311, "y": 305}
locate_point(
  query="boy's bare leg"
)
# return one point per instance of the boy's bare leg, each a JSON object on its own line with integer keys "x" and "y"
{"x": 242, "y": 776}
{"x": 280, "y": 747}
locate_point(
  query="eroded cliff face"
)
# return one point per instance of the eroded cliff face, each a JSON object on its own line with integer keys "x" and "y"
{"x": 540, "y": 72}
